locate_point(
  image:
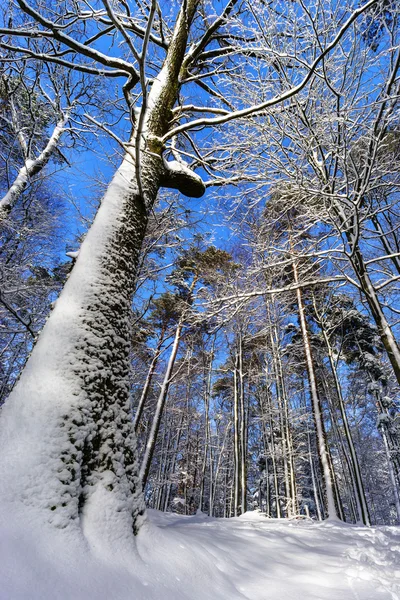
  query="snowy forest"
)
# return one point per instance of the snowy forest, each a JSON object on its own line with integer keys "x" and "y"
{"x": 199, "y": 295}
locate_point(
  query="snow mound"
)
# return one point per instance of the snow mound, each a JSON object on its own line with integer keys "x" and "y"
{"x": 200, "y": 558}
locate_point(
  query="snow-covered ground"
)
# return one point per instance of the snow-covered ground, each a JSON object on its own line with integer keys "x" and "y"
{"x": 198, "y": 558}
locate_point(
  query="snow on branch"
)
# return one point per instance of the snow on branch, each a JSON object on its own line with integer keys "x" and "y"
{"x": 253, "y": 110}
{"x": 32, "y": 167}
{"x": 53, "y": 30}
{"x": 178, "y": 176}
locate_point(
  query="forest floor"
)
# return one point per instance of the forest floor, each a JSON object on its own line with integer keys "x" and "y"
{"x": 200, "y": 558}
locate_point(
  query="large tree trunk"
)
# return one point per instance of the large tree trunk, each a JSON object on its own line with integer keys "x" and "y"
{"x": 67, "y": 438}
{"x": 66, "y": 433}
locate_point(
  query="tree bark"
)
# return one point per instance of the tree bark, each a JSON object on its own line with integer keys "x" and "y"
{"x": 355, "y": 472}
{"x": 323, "y": 450}
{"x": 371, "y": 296}
{"x": 66, "y": 433}
{"x": 151, "y": 442}
{"x": 73, "y": 396}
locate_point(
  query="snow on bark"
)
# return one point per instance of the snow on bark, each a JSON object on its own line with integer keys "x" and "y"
{"x": 31, "y": 168}
{"x": 178, "y": 176}
{"x": 66, "y": 434}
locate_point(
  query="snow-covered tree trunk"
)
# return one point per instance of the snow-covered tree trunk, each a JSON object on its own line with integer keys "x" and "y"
{"x": 66, "y": 430}
{"x": 66, "y": 433}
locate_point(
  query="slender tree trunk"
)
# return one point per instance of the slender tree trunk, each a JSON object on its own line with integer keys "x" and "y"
{"x": 283, "y": 423}
{"x": 146, "y": 387}
{"x": 314, "y": 485}
{"x": 266, "y": 453}
{"x": 155, "y": 426}
{"x": 185, "y": 487}
{"x": 163, "y": 460}
{"x": 243, "y": 433}
{"x": 172, "y": 469}
{"x": 371, "y": 296}
{"x": 392, "y": 475}
{"x": 347, "y": 475}
{"x": 354, "y": 466}
{"x": 323, "y": 450}
{"x": 219, "y": 463}
{"x": 236, "y": 444}
{"x": 272, "y": 453}
{"x": 207, "y": 435}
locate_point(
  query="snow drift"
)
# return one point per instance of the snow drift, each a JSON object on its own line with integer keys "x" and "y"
{"x": 201, "y": 558}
